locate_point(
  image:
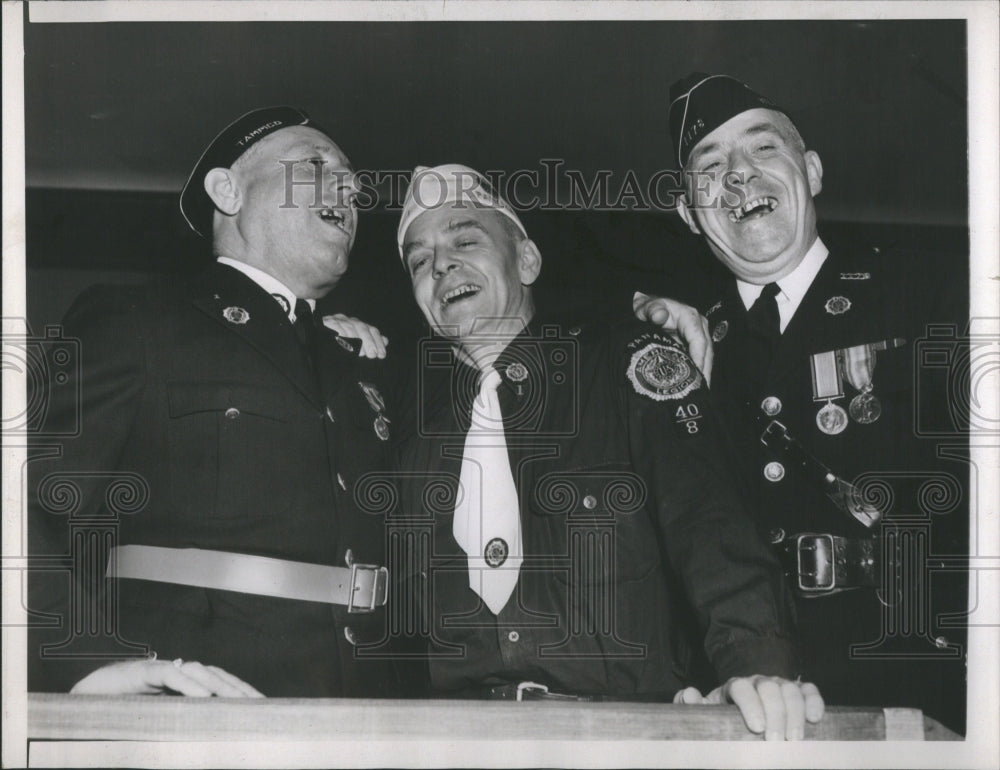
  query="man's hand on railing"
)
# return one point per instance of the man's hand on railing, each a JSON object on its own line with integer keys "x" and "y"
{"x": 152, "y": 677}
{"x": 373, "y": 342}
{"x": 777, "y": 707}
{"x": 682, "y": 321}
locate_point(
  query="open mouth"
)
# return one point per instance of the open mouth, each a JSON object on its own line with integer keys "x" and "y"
{"x": 754, "y": 209}
{"x": 459, "y": 293}
{"x": 336, "y": 218}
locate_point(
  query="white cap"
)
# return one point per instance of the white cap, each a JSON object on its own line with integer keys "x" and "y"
{"x": 433, "y": 188}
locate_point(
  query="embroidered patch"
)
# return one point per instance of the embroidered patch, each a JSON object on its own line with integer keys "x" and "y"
{"x": 662, "y": 373}
{"x": 720, "y": 330}
{"x": 837, "y": 305}
{"x": 855, "y": 276}
{"x": 236, "y": 315}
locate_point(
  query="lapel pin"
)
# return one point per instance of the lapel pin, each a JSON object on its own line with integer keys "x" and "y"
{"x": 517, "y": 372}
{"x": 236, "y": 315}
{"x": 837, "y": 305}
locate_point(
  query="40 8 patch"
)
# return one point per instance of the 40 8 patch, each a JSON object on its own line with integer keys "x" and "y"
{"x": 662, "y": 373}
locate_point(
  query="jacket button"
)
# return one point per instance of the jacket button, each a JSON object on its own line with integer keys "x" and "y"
{"x": 232, "y": 413}
{"x": 349, "y": 635}
{"x": 513, "y": 636}
{"x": 590, "y": 502}
{"x": 774, "y": 471}
{"x": 771, "y": 406}
{"x": 776, "y": 535}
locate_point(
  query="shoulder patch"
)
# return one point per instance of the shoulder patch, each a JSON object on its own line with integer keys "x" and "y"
{"x": 662, "y": 372}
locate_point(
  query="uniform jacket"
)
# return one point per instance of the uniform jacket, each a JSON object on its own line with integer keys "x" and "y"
{"x": 203, "y": 427}
{"x": 635, "y": 541}
{"x": 904, "y": 654}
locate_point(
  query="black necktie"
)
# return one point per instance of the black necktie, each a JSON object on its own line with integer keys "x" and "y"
{"x": 764, "y": 318}
{"x": 306, "y": 331}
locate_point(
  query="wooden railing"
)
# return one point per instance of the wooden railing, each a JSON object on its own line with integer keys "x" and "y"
{"x": 139, "y": 718}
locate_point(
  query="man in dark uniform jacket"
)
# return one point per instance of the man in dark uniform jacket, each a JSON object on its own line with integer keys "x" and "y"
{"x": 222, "y": 434}
{"x": 567, "y": 509}
{"x": 815, "y": 365}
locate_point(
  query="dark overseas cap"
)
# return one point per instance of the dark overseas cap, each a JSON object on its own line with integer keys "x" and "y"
{"x": 701, "y": 103}
{"x": 234, "y": 140}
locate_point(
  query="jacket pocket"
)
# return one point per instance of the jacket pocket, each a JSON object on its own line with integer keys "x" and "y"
{"x": 232, "y": 448}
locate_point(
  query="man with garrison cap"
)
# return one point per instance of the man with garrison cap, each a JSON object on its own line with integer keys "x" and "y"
{"x": 816, "y": 364}
{"x": 568, "y": 525}
{"x": 203, "y": 519}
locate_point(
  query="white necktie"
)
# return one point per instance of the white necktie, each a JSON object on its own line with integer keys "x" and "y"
{"x": 487, "y": 522}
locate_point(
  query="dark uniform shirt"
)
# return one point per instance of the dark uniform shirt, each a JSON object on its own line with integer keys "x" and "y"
{"x": 635, "y": 542}
{"x": 895, "y": 647}
{"x": 195, "y": 421}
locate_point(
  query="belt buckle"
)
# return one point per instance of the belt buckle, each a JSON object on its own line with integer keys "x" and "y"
{"x": 530, "y": 687}
{"x": 375, "y": 580}
{"x": 824, "y": 570}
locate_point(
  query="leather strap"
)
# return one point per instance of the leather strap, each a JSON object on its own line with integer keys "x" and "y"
{"x": 361, "y": 587}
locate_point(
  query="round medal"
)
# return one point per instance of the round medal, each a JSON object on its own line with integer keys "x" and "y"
{"x": 495, "y": 552}
{"x": 831, "y": 419}
{"x": 865, "y": 408}
{"x": 719, "y": 332}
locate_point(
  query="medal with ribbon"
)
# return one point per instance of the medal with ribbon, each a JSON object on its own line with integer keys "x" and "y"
{"x": 859, "y": 368}
{"x": 827, "y": 385}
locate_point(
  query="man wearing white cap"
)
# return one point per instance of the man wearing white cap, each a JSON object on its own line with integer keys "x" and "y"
{"x": 567, "y": 492}
{"x": 204, "y": 507}
{"x": 816, "y": 363}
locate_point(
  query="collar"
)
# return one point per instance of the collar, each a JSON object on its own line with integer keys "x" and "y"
{"x": 793, "y": 286}
{"x": 281, "y": 293}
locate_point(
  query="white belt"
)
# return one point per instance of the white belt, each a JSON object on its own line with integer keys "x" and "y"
{"x": 361, "y": 587}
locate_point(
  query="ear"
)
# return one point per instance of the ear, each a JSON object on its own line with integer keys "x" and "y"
{"x": 224, "y": 190}
{"x": 687, "y": 216}
{"x": 814, "y": 172}
{"x": 529, "y": 262}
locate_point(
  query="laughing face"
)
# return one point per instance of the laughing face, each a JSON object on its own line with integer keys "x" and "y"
{"x": 296, "y": 212}
{"x": 471, "y": 273}
{"x": 750, "y": 193}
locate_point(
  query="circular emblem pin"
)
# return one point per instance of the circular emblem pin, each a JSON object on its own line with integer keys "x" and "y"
{"x": 517, "y": 372}
{"x": 865, "y": 408}
{"x": 831, "y": 419}
{"x": 774, "y": 471}
{"x": 719, "y": 332}
{"x": 236, "y": 315}
{"x": 837, "y": 305}
{"x": 381, "y": 428}
{"x": 662, "y": 373}
{"x": 771, "y": 406}
{"x": 496, "y": 552}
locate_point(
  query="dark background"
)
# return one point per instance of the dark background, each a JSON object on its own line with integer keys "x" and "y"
{"x": 117, "y": 113}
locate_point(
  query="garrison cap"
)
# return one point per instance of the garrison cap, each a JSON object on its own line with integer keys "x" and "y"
{"x": 701, "y": 103}
{"x": 234, "y": 140}
{"x": 434, "y": 188}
